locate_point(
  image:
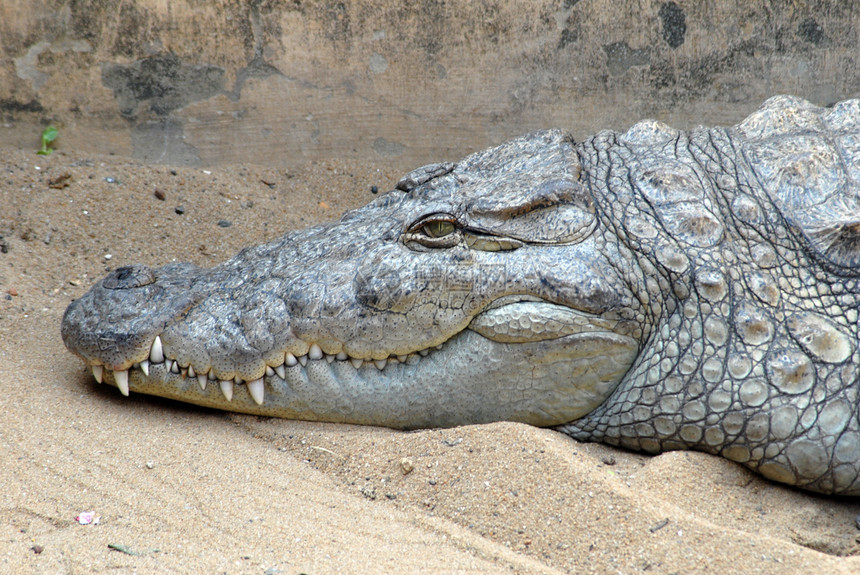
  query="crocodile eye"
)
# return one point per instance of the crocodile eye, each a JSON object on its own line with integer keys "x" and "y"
{"x": 438, "y": 228}
{"x": 434, "y": 231}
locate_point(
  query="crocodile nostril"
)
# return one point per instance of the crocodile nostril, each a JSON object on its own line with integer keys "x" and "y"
{"x": 128, "y": 277}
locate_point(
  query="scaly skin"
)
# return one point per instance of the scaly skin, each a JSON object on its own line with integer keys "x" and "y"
{"x": 655, "y": 289}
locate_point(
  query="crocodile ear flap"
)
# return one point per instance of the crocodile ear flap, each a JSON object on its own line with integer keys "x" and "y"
{"x": 553, "y": 211}
{"x": 537, "y": 199}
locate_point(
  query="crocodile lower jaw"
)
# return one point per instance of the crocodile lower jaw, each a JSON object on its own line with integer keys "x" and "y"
{"x": 472, "y": 379}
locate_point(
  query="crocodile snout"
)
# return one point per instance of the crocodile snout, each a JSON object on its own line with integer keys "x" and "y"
{"x": 114, "y": 324}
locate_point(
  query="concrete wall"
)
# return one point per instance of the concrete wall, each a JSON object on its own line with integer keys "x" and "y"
{"x": 212, "y": 81}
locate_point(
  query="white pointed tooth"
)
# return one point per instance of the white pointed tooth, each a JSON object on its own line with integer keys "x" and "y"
{"x": 269, "y": 371}
{"x": 282, "y": 373}
{"x": 144, "y": 367}
{"x": 201, "y": 379}
{"x": 212, "y": 375}
{"x": 238, "y": 380}
{"x": 329, "y": 358}
{"x": 401, "y": 358}
{"x": 356, "y": 363}
{"x": 257, "y": 390}
{"x": 315, "y": 352}
{"x": 121, "y": 379}
{"x": 191, "y": 372}
{"x": 303, "y": 359}
{"x": 439, "y": 346}
{"x": 174, "y": 366}
{"x": 98, "y": 372}
{"x": 342, "y": 356}
{"x": 226, "y": 388}
{"x": 156, "y": 354}
{"x": 424, "y": 352}
{"x": 380, "y": 363}
{"x": 290, "y": 360}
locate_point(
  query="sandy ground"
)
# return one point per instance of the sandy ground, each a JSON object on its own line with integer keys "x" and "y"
{"x": 180, "y": 489}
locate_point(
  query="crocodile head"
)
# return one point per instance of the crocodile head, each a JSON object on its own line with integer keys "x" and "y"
{"x": 478, "y": 291}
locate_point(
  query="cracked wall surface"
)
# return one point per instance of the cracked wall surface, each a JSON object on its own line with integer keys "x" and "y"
{"x": 409, "y": 82}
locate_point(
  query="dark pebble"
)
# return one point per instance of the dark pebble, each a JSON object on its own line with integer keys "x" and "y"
{"x": 857, "y": 521}
{"x": 37, "y": 549}
{"x": 179, "y": 210}
{"x": 225, "y": 223}
{"x": 608, "y": 460}
{"x": 159, "y": 194}
{"x": 172, "y": 172}
{"x": 374, "y": 190}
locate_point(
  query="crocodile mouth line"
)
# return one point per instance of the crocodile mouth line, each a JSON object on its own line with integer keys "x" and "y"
{"x": 256, "y": 387}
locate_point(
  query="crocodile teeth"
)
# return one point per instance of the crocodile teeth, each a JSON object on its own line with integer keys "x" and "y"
{"x": 98, "y": 371}
{"x": 314, "y": 353}
{"x": 257, "y": 390}
{"x": 121, "y": 379}
{"x": 156, "y": 354}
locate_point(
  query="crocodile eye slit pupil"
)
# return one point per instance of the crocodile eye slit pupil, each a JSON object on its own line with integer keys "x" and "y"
{"x": 438, "y": 229}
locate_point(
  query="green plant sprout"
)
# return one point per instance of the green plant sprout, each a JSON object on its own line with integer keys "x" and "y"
{"x": 49, "y": 134}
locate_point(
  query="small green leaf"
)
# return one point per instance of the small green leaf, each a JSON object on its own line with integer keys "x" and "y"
{"x": 49, "y": 134}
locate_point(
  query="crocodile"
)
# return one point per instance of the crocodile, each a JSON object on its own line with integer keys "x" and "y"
{"x": 656, "y": 289}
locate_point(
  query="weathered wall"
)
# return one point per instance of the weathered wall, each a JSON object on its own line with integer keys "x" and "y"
{"x": 209, "y": 81}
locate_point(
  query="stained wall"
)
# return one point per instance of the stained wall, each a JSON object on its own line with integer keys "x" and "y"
{"x": 203, "y": 82}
